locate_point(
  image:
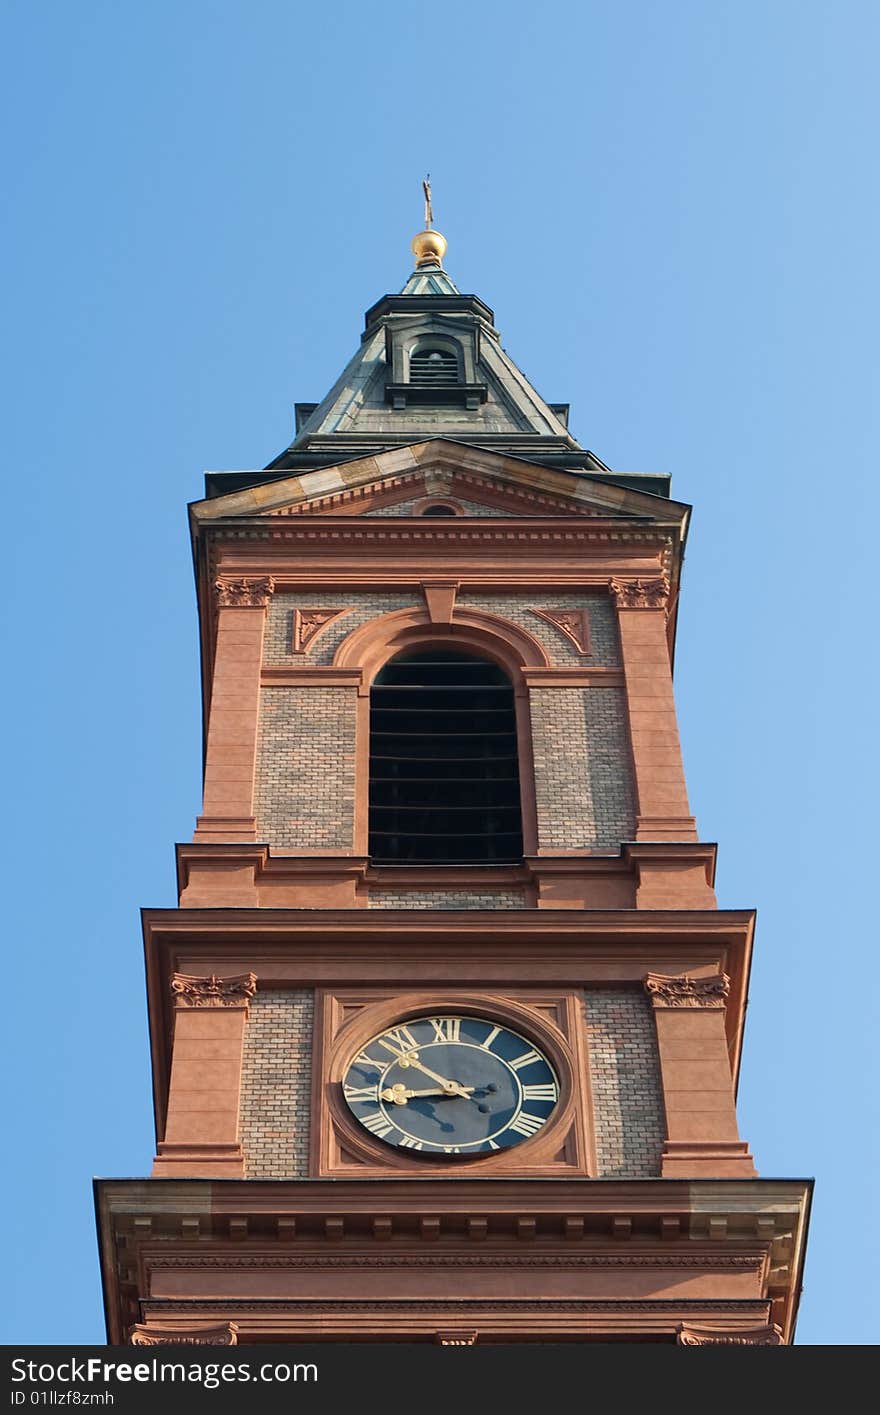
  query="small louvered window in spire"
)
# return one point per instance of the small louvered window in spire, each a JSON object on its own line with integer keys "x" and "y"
{"x": 432, "y": 368}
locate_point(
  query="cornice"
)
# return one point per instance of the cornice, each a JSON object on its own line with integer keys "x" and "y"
{"x": 258, "y": 1258}
{"x": 423, "y": 530}
{"x": 743, "y": 1306}
{"x": 566, "y": 926}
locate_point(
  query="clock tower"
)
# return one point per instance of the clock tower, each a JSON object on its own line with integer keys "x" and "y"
{"x": 447, "y": 1023}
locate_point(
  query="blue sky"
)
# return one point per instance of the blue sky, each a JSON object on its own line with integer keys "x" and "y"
{"x": 673, "y": 211}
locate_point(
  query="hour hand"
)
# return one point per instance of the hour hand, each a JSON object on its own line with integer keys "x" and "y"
{"x": 459, "y": 1091}
{"x": 400, "y": 1094}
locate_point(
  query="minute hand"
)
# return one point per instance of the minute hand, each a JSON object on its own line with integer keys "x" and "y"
{"x": 451, "y": 1088}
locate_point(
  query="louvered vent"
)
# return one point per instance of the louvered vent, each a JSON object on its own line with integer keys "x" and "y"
{"x": 432, "y": 368}
{"x": 444, "y": 775}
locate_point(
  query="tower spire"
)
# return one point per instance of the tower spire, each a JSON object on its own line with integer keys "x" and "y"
{"x": 428, "y": 247}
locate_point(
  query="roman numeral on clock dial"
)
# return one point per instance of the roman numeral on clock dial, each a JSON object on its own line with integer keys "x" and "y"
{"x": 377, "y": 1124}
{"x": 397, "y": 1040}
{"x": 526, "y": 1124}
{"x": 446, "y": 1029}
{"x": 362, "y": 1093}
{"x": 543, "y": 1092}
{"x": 525, "y": 1060}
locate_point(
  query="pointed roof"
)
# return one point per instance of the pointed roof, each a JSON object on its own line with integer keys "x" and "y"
{"x": 379, "y": 402}
{"x": 429, "y": 280}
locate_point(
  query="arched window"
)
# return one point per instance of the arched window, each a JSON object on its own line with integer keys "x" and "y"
{"x": 439, "y": 509}
{"x": 432, "y": 368}
{"x": 444, "y": 774}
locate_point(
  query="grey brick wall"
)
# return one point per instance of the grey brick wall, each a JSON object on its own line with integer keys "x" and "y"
{"x": 305, "y": 768}
{"x": 560, "y": 650}
{"x": 446, "y": 899}
{"x": 471, "y": 508}
{"x": 278, "y": 641}
{"x": 276, "y": 1084}
{"x": 625, "y": 1081}
{"x": 583, "y": 777}
{"x": 304, "y": 789}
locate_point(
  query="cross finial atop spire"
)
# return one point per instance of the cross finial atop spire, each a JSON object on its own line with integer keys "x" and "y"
{"x": 429, "y": 247}
{"x": 429, "y": 213}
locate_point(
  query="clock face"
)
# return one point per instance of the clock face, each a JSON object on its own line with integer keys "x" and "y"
{"x": 451, "y": 1085}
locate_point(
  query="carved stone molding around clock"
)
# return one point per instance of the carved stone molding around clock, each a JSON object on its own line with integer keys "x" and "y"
{"x": 189, "y": 991}
{"x": 308, "y": 624}
{"x": 225, "y": 1334}
{"x": 687, "y": 992}
{"x": 690, "y": 1335}
{"x": 573, "y": 623}
{"x": 243, "y": 593}
{"x": 347, "y": 1018}
{"x": 640, "y": 594}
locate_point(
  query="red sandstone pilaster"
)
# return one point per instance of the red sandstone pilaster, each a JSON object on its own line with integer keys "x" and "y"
{"x": 230, "y": 759}
{"x": 201, "y": 1130}
{"x": 663, "y": 812}
{"x": 702, "y": 1138}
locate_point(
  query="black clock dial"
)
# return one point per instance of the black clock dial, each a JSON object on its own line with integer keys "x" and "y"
{"x": 451, "y": 1085}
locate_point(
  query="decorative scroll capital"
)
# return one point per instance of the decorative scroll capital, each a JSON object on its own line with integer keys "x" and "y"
{"x": 223, "y": 1335}
{"x": 189, "y": 991}
{"x": 307, "y": 623}
{"x": 573, "y": 623}
{"x": 456, "y": 1338}
{"x": 640, "y": 594}
{"x": 689, "y": 1335}
{"x": 244, "y": 594}
{"x": 687, "y": 992}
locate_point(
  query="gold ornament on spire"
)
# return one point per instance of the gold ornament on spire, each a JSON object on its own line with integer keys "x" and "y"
{"x": 429, "y": 247}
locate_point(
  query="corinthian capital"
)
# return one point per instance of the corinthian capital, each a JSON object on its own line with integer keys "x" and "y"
{"x": 243, "y": 594}
{"x": 640, "y": 594}
{"x": 687, "y": 992}
{"x": 189, "y": 991}
{"x": 224, "y": 1335}
{"x": 689, "y": 1335}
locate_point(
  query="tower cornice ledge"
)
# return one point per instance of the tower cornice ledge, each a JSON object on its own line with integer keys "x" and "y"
{"x": 746, "y": 1236}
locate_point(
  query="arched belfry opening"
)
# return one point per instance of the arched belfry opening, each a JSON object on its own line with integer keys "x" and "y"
{"x": 444, "y": 768}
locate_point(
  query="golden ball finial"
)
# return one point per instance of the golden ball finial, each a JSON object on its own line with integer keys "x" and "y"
{"x": 429, "y": 248}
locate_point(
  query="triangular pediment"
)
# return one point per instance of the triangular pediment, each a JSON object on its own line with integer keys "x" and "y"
{"x": 472, "y": 480}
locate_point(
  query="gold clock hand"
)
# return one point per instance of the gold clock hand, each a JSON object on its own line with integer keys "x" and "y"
{"x": 451, "y": 1088}
{"x": 410, "y": 1058}
{"x": 401, "y": 1094}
